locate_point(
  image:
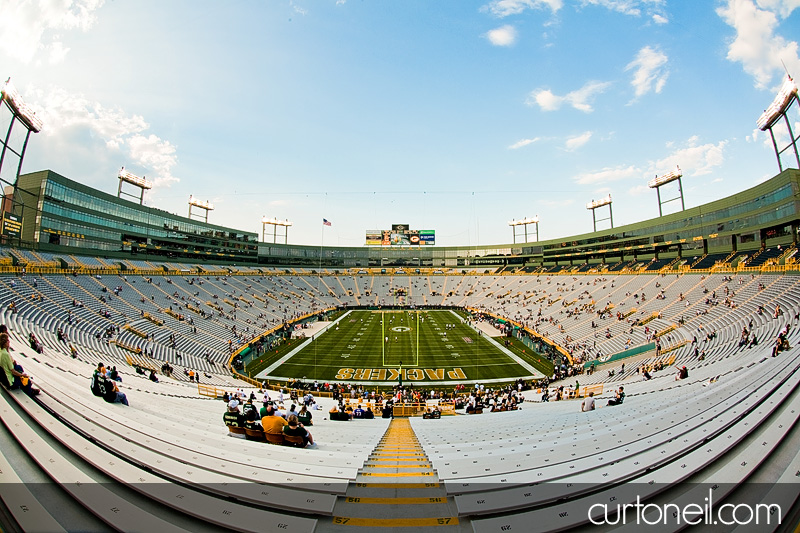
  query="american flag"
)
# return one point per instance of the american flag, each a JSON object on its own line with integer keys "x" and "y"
{"x": 326, "y": 222}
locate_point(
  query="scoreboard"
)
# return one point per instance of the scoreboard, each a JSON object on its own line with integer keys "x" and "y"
{"x": 401, "y": 235}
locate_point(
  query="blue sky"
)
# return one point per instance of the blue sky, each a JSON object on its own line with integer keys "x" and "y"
{"x": 450, "y": 115}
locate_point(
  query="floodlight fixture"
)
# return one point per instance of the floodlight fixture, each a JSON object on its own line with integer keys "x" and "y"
{"x": 594, "y": 204}
{"x": 20, "y": 109}
{"x": 275, "y": 223}
{"x": 777, "y": 110}
{"x": 139, "y": 182}
{"x": 783, "y": 99}
{"x": 525, "y": 222}
{"x": 669, "y": 177}
{"x": 200, "y": 204}
{"x": 532, "y": 220}
{"x": 208, "y": 206}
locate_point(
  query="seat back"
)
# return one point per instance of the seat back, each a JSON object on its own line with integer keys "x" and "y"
{"x": 274, "y": 438}
{"x": 255, "y": 434}
{"x": 237, "y": 432}
{"x": 294, "y": 440}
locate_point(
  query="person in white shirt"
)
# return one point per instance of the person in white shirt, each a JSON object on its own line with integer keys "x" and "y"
{"x": 588, "y": 403}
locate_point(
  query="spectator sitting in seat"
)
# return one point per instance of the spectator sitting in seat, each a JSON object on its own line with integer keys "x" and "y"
{"x": 304, "y": 416}
{"x": 252, "y": 421}
{"x": 368, "y": 414}
{"x": 35, "y": 344}
{"x": 12, "y": 376}
{"x": 336, "y": 413}
{"x": 683, "y": 373}
{"x": 272, "y": 423}
{"x": 233, "y": 418}
{"x": 388, "y": 410}
{"x": 153, "y": 377}
{"x": 294, "y": 428}
{"x": 619, "y": 398}
{"x": 588, "y": 403}
{"x": 248, "y": 407}
{"x": 358, "y": 412}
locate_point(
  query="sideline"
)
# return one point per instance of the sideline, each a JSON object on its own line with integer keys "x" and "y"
{"x": 514, "y": 357}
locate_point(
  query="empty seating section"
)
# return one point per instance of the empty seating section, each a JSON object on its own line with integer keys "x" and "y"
{"x": 547, "y": 463}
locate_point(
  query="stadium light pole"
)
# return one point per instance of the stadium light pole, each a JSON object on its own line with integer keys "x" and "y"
{"x": 594, "y": 204}
{"x": 275, "y": 223}
{"x": 200, "y": 204}
{"x": 22, "y": 113}
{"x": 525, "y": 222}
{"x": 777, "y": 110}
{"x": 660, "y": 181}
{"x": 139, "y": 182}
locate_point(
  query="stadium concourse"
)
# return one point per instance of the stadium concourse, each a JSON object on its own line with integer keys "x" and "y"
{"x": 70, "y": 461}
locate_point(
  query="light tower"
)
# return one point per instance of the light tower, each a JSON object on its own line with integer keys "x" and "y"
{"x": 783, "y": 101}
{"x": 24, "y": 116}
{"x": 669, "y": 177}
{"x": 594, "y": 204}
{"x": 140, "y": 183}
{"x": 525, "y": 222}
{"x": 200, "y": 204}
{"x": 275, "y": 223}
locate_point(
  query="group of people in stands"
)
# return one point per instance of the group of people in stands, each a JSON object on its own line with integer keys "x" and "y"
{"x": 104, "y": 385}
{"x": 269, "y": 423}
{"x": 343, "y": 412}
{"x": 494, "y": 401}
{"x": 588, "y": 403}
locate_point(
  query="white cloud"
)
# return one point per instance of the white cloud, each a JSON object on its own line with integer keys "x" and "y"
{"x": 756, "y": 45}
{"x": 694, "y": 159}
{"x": 71, "y": 117}
{"x": 649, "y": 69}
{"x": 157, "y": 154}
{"x": 783, "y": 7}
{"x": 297, "y": 9}
{"x": 504, "y": 8}
{"x": 573, "y": 143}
{"x": 607, "y": 175}
{"x": 57, "y": 52}
{"x": 627, "y": 7}
{"x": 24, "y": 25}
{"x": 341, "y": 2}
{"x": 502, "y": 36}
{"x": 579, "y": 99}
{"x": 523, "y": 142}
{"x": 634, "y": 8}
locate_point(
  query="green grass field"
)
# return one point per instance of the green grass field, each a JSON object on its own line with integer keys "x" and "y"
{"x": 370, "y": 346}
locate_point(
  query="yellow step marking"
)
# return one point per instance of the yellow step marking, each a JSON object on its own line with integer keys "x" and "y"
{"x": 432, "y": 485}
{"x": 395, "y": 466}
{"x": 397, "y": 474}
{"x": 395, "y": 522}
{"x": 398, "y": 501}
{"x": 418, "y": 459}
{"x": 399, "y": 454}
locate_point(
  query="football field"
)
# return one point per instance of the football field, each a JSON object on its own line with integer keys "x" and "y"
{"x": 386, "y": 347}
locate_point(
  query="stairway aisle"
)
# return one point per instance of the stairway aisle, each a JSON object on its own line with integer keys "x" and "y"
{"x": 396, "y": 490}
